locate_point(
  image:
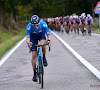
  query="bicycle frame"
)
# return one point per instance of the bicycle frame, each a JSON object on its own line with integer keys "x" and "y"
{"x": 39, "y": 55}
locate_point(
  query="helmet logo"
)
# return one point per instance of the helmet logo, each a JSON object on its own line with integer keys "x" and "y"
{"x": 34, "y": 19}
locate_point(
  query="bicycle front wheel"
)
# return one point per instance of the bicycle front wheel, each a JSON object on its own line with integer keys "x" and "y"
{"x": 42, "y": 77}
{"x": 41, "y": 72}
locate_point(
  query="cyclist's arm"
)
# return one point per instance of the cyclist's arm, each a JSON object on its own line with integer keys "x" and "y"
{"x": 91, "y": 21}
{"x": 27, "y": 40}
{"x": 45, "y": 26}
{"x": 86, "y": 22}
{"x": 49, "y": 37}
{"x": 28, "y": 34}
{"x": 48, "y": 33}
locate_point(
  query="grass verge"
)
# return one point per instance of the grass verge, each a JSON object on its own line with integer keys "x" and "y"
{"x": 9, "y": 43}
{"x": 96, "y": 28}
{"x": 97, "y": 31}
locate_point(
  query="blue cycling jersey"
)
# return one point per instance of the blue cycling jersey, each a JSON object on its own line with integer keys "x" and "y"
{"x": 43, "y": 28}
{"x": 89, "y": 20}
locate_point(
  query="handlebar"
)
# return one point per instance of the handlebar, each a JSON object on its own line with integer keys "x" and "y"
{"x": 40, "y": 45}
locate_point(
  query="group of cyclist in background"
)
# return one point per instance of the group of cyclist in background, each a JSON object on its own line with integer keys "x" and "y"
{"x": 71, "y": 23}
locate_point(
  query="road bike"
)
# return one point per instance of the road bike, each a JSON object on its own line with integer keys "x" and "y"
{"x": 40, "y": 65}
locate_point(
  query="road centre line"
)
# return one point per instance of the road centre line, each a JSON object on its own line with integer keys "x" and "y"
{"x": 80, "y": 58}
{"x": 7, "y": 56}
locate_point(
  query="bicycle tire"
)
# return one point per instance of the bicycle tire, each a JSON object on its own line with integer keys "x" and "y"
{"x": 42, "y": 78}
{"x": 39, "y": 78}
{"x": 90, "y": 30}
{"x": 41, "y": 72}
{"x": 78, "y": 30}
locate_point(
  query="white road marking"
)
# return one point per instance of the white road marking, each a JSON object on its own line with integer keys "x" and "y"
{"x": 5, "y": 58}
{"x": 80, "y": 58}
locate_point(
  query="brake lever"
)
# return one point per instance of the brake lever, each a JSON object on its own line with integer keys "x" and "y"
{"x": 49, "y": 48}
{"x": 29, "y": 50}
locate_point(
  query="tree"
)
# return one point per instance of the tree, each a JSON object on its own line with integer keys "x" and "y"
{"x": 1, "y": 11}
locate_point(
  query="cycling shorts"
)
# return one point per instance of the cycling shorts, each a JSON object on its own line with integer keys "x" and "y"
{"x": 77, "y": 22}
{"x": 34, "y": 39}
{"x": 71, "y": 22}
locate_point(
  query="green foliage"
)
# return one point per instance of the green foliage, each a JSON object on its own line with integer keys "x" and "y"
{"x": 43, "y": 8}
{"x": 96, "y": 28}
{"x": 96, "y": 25}
{"x": 5, "y": 36}
{"x": 10, "y": 41}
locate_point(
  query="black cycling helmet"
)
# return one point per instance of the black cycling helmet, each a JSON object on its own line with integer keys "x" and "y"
{"x": 35, "y": 19}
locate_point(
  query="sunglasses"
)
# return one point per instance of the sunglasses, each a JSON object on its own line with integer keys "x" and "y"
{"x": 36, "y": 25}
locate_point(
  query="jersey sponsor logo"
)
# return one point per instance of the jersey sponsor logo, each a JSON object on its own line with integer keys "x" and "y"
{"x": 37, "y": 32}
{"x": 40, "y": 31}
{"x": 44, "y": 25}
{"x": 34, "y": 18}
{"x": 34, "y": 32}
{"x": 33, "y": 49}
{"x": 29, "y": 28}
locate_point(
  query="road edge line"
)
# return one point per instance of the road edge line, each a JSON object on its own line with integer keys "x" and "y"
{"x": 80, "y": 58}
{"x": 12, "y": 50}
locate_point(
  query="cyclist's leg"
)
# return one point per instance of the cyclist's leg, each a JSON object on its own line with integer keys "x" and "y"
{"x": 43, "y": 41}
{"x": 33, "y": 61}
{"x": 91, "y": 24}
{"x": 82, "y": 28}
{"x": 74, "y": 25}
{"x": 71, "y": 25}
{"x": 44, "y": 52}
{"x": 87, "y": 27}
{"x": 43, "y": 47}
{"x": 34, "y": 56}
{"x": 78, "y": 28}
{"x": 34, "y": 51}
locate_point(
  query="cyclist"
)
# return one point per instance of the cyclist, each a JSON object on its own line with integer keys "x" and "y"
{"x": 89, "y": 21}
{"x": 74, "y": 23}
{"x": 71, "y": 22}
{"x": 61, "y": 23}
{"x": 82, "y": 22}
{"x": 35, "y": 31}
{"x": 58, "y": 24}
{"x": 51, "y": 23}
{"x": 67, "y": 24}
{"x": 78, "y": 23}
